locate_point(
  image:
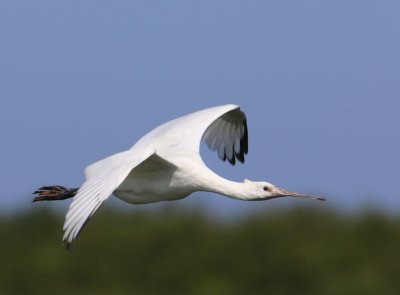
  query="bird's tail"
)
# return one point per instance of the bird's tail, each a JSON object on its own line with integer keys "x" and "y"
{"x": 54, "y": 192}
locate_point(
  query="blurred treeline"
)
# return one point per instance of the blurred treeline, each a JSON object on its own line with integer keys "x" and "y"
{"x": 297, "y": 251}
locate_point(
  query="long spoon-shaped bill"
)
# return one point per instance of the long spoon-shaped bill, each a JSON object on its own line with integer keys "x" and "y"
{"x": 284, "y": 193}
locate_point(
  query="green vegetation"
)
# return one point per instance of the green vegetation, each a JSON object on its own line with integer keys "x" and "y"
{"x": 300, "y": 251}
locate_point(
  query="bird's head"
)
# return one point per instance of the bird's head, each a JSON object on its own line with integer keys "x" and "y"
{"x": 263, "y": 190}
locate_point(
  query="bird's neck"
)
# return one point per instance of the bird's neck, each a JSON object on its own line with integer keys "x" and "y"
{"x": 212, "y": 182}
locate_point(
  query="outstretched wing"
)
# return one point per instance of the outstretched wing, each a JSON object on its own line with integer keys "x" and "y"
{"x": 228, "y": 136}
{"x": 102, "y": 178}
{"x": 222, "y": 128}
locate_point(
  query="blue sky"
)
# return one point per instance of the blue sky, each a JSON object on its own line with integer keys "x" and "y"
{"x": 318, "y": 80}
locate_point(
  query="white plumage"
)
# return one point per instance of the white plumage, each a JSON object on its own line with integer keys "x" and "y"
{"x": 165, "y": 164}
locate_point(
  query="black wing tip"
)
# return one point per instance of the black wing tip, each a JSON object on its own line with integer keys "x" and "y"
{"x": 232, "y": 160}
{"x": 222, "y": 158}
{"x": 240, "y": 157}
{"x": 244, "y": 147}
{"x": 68, "y": 245}
{"x": 244, "y": 142}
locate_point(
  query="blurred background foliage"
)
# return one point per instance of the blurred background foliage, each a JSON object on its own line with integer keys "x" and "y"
{"x": 294, "y": 251}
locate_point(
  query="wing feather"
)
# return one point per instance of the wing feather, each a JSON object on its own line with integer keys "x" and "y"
{"x": 102, "y": 178}
{"x": 228, "y": 135}
{"x": 222, "y": 128}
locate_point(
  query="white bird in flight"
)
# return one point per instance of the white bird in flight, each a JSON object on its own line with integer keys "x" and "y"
{"x": 165, "y": 165}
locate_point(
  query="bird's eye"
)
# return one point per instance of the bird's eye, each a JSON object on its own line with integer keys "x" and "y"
{"x": 266, "y": 188}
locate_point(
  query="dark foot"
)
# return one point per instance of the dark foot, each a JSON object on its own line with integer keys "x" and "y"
{"x": 54, "y": 192}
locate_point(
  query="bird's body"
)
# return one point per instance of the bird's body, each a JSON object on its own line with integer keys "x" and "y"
{"x": 165, "y": 164}
{"x": 155, "y": 181}
{"x": 169, "y": 173}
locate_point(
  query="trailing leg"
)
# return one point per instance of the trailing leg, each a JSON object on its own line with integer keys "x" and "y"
{"x": 54, "y": 193}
